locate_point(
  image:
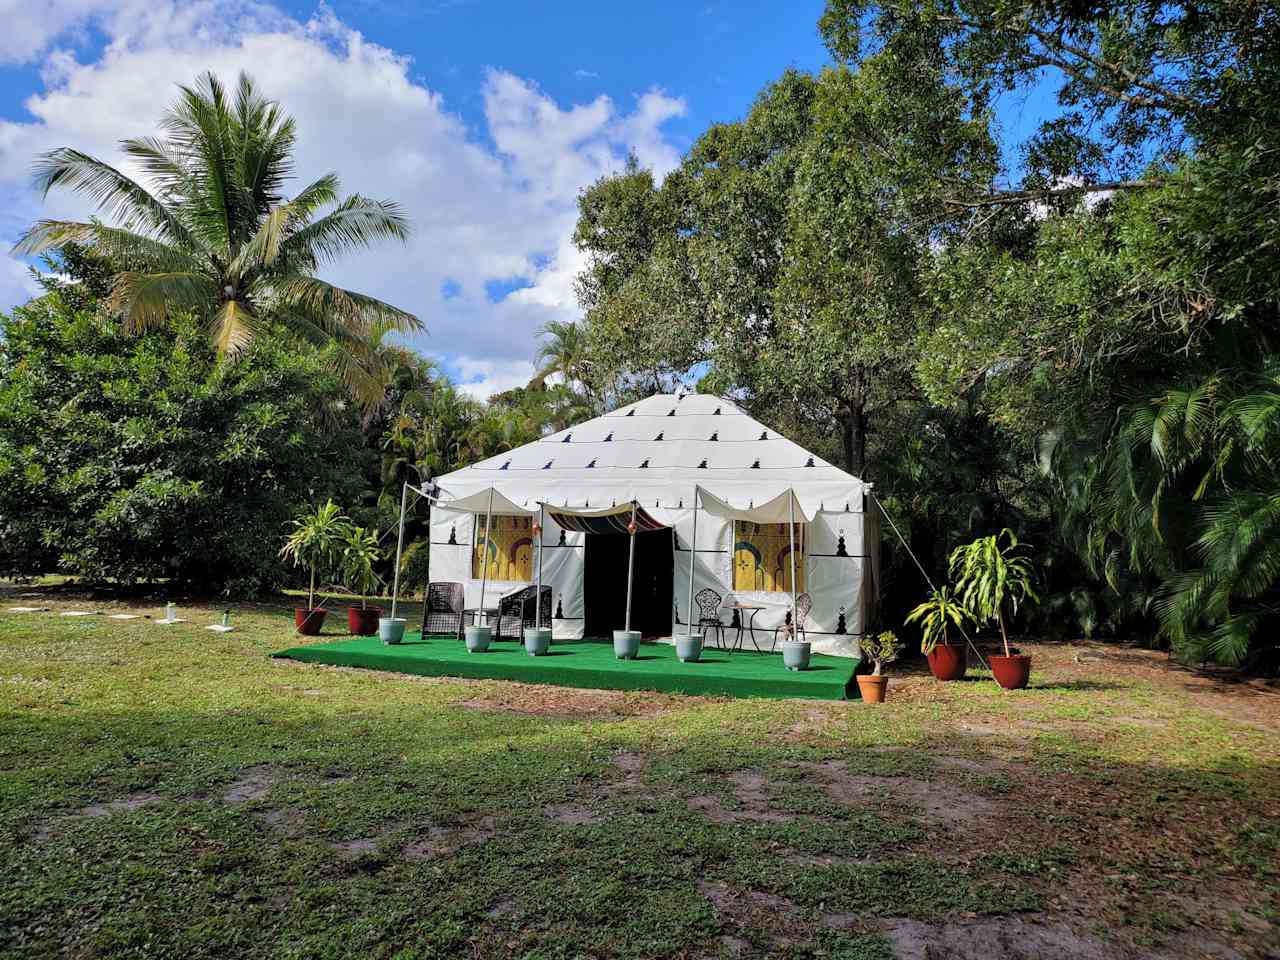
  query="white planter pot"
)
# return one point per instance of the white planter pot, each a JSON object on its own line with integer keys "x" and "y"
{"x": 478, "y": 639}
{"x": 626, "y": 644}
{"x": 391, "y": 629}
{"x": 689, "y": 648}
{"x": 536, "y": 640}
{"x": 795, "y": 654}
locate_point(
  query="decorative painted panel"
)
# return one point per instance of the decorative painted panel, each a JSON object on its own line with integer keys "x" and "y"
{"x": 762, "y": 557}
{"x": 507, "y": 548}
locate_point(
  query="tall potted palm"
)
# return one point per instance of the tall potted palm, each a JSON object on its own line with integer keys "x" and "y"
{"x": 993, "y": 576}
{"x": 360, "y": 552}
{"x": 947, "y": 661}
{"x": 210, "y": 230}
{"x": 315, "y": 544}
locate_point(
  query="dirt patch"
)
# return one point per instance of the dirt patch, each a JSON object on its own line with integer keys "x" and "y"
{"x": 252, "y": 784}
{"x": 565, "y": 703}
{"x": 354, "y": 849}
{"x": 765, "y": 913}
{"x": 288, "y": 822}
{"x": 500, "y": 909}
{"x": 1011, "y": 938}
{"x": 135, "y": 801}
{"x": 937, "y": 800}
{"x": 572, "y": 814}
{"x": 447, "y": 840}
{"x": 752, "y": 793}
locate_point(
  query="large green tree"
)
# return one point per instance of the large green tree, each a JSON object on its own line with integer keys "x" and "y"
{"x": 209, "y": 231}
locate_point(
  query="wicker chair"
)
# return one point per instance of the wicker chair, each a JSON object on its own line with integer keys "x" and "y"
{"x": 442, "y": 613}
{"x": 516, "y": 611}
{"x": 708, "y": 602}
{"x": 804, "y": 603}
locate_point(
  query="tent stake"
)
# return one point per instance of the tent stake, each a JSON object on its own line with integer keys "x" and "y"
{"x": 395, "y": 586}
{"x": 631, "y": 561}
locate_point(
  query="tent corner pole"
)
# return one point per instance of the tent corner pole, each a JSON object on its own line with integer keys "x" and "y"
{"x": 537, "y": 590}
{"x": 631, "y": 561}
{"x": 693, "y": 559}
{"x": 484, "y": 562}
{"x": 791, "y": 508}
{"x": 395, "y": 578}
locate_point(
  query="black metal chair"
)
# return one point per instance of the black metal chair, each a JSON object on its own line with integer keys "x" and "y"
{"x": 708, "y": 602}
{"x": 804, "y": 603}
{"x": 442, "y": 613}
{"x": 517, "y": 611}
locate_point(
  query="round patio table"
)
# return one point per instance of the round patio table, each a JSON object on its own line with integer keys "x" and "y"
{"x": 738, "y": 610}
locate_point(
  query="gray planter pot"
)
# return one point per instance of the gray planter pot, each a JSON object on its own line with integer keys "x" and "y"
{"x": 795, "y": 654}
{"x": 626, "y": 644}
{"x": 536, "y": 640}
{"x": 689, "y": 648}
{"x": 478, "y": 639}
{"x": 391, "y": 629}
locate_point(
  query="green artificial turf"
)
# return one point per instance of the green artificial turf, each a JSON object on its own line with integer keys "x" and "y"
{"x": 591, "y": 663}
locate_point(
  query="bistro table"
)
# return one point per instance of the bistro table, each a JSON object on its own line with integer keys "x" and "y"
{"x": 490, "y": 617}
{"x": 739, "y": 609}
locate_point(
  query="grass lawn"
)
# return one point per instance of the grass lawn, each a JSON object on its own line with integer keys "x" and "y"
{"x": 167, "y": 791}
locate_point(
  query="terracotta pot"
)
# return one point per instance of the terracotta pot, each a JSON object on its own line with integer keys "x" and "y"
{"x": 873, "y": 688}
{"x": 948, "y": 661}
{"x": 1013, "y": 672}
{"x": 363, "y": 621}
{"x": 307, "y": 621}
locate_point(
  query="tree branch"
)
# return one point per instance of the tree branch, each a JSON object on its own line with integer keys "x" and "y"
{"x": 1010, "y": 197}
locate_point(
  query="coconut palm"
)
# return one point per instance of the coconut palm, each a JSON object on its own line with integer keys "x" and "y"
{"x": 563, "y": 351}
{"x": 214, "y": 233}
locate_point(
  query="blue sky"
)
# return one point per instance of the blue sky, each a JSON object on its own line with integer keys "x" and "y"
{"x": 483, "y": 119}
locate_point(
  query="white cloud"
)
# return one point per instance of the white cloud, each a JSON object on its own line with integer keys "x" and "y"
{"x": 483, "y": 378}
{"x": 583, "y": 74}
{"x": 480, "y": 213}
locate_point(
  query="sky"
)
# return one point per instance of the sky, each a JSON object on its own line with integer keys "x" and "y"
{"x": 484, "y": 120}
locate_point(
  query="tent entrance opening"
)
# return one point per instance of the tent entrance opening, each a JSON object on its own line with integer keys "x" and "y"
{"x": 605, "y": 583}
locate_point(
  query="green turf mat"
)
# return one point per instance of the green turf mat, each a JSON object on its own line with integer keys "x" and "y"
{"x": 591, "y": 663}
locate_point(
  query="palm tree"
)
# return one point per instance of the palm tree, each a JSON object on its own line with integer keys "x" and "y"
{"x": 563, "y": 351}
{"x": 216, "y": 235}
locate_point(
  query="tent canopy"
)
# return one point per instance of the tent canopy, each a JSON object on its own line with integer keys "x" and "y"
{"x": 614, "y": 519}
{"x": 479, "y": 502}
{"x": 656, "y": 451}
{"x": 777, "y": 510}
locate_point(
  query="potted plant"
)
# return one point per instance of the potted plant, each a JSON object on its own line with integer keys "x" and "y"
{"x": 314, "y": 543}
{"x": 360, "y": 552}
{"x": 991, "y": 574}
{"x": 880, "y": 650}
{"x": 947, "y": 661}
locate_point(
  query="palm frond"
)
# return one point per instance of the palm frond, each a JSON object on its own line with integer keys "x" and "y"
{"x": 342, "y": 311}
{"x": 354, "y": 224}
{"x": 232, "y": 328}
{"x": 144, "y": 300}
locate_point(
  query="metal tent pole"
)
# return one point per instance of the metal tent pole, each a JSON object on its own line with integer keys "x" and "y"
{"x": 484, "y": 560}
{"x": 631, "y": 561}
{"x": 693, "y": 557}
{"x": 791, "y": 507}
{"x": 395, "y": 584}
{"x": 537, "y": 590}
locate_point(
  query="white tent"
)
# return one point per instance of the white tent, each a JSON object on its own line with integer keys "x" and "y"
{"x": 666, "y": 453}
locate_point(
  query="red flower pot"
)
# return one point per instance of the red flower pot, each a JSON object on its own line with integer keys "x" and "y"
{"x": 309, "y": 622}
{"x": 1013, "y": 672}
{"x": 363, "y": 621}
{"x": 949, "y": 661}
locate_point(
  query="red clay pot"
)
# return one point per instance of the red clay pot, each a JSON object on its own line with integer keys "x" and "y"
{"x": 949, "y": 661}
{"x": 873, "y": 688}
{"x": 363, "y": 621}
{"x": 1013, "y": 672}
{"x": 308, "y": 622}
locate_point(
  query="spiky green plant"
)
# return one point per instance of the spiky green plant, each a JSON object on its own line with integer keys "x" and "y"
{"x": 210, "y": 230}
{"x": 360, "y": 552}
{"x": 935, "y": 615}
{"x": 316, "y": 542}
{"x": 991, "y": 574}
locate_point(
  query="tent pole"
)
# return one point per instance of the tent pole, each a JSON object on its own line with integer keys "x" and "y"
{"x": 484, "y": 560}
{"x": 693, "y": 558}
{"x": 631, "y": 560}
{"x": 791, "y": 507}
{"x": 395, "y": 582}
{"x": 537, "y": 590}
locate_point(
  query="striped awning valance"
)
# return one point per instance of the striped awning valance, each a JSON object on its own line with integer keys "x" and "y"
{"x": 611, "y": 520}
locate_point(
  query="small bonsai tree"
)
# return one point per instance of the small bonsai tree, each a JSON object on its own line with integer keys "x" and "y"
{"x": 315, "y": 542}
{"x": 991, "y": 574}
{"x": 881, "y": 650}
{"x": 935, "y": 615}
{"x": 360, "y": 551}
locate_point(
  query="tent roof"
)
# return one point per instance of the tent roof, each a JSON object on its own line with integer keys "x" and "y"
{"x": 655, "y": 451}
